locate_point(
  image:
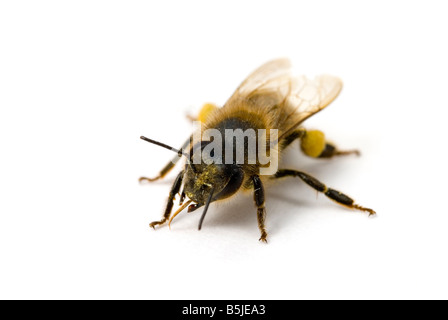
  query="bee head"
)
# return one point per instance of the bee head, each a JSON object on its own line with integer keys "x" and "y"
{"x": 209, "y": 176}
{"x": 207, "y": 181}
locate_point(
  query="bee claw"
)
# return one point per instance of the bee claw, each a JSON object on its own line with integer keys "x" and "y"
{"x": 370, "y": 211}
{"x": 152, "y": 225}
{"x": 155, "y": 223}
{"x": 263, "y": 238}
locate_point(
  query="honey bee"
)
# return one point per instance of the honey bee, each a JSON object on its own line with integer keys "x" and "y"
{"x": 268, "y": 100}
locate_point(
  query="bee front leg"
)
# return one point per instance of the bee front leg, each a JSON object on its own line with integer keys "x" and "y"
{"x": 162, "y": 173}
{"x": 174, "y": 190}
{"x": 333, "y": 194}
{"x": 261, "y": 210}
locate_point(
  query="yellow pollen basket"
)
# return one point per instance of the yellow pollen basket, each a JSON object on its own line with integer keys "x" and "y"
{"x": 313, "y": 143}
{"x": 206, "y": 110}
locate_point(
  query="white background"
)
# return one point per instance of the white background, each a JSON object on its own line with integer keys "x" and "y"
{"x": 81, "y": 81}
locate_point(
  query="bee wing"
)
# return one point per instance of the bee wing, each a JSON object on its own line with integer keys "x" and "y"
{"x": 261, "y": 77}
{"x": 303, "y": 96}
{"x": 264, "y": 75}
{"x": 307, "y": 96}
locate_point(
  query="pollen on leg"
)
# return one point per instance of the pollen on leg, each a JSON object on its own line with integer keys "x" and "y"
{"x": 313, "y": 143}
{"x": 205, "y": 112}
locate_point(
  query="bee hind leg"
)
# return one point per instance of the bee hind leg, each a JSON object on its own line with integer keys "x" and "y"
{"x": 330, "y": 151}
{"x": 174, "y": 190}
{"x": 296, "y": 134}
{"x": 313, "y": 144}
{"x": 259, "y": 199}
{"x": 333, "y": 194}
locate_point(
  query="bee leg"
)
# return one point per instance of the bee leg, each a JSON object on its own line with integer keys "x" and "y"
{"x": 330, "y": 151}
{"x": 313, "y": 144}
{"x": 259, "y": 202}
{"x": 163, "y": 172}
{"x": 174, "y": 190}
{"x": 169, "y": 166}
{"x": 182, "y": 198}
{"x": 333, "y": 194}
{"x": 297, "y": 134}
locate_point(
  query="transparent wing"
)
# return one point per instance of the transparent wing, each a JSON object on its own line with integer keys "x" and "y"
{"x": 307, "y": 96}
{"x": 261, "y": 77}
{"x": 301, "y": 96}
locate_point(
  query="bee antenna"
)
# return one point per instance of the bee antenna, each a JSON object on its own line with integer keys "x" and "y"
{"x": 206, "y": 208}
{"x": 179, "y": 152}
{"x": 160, "y": 144}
